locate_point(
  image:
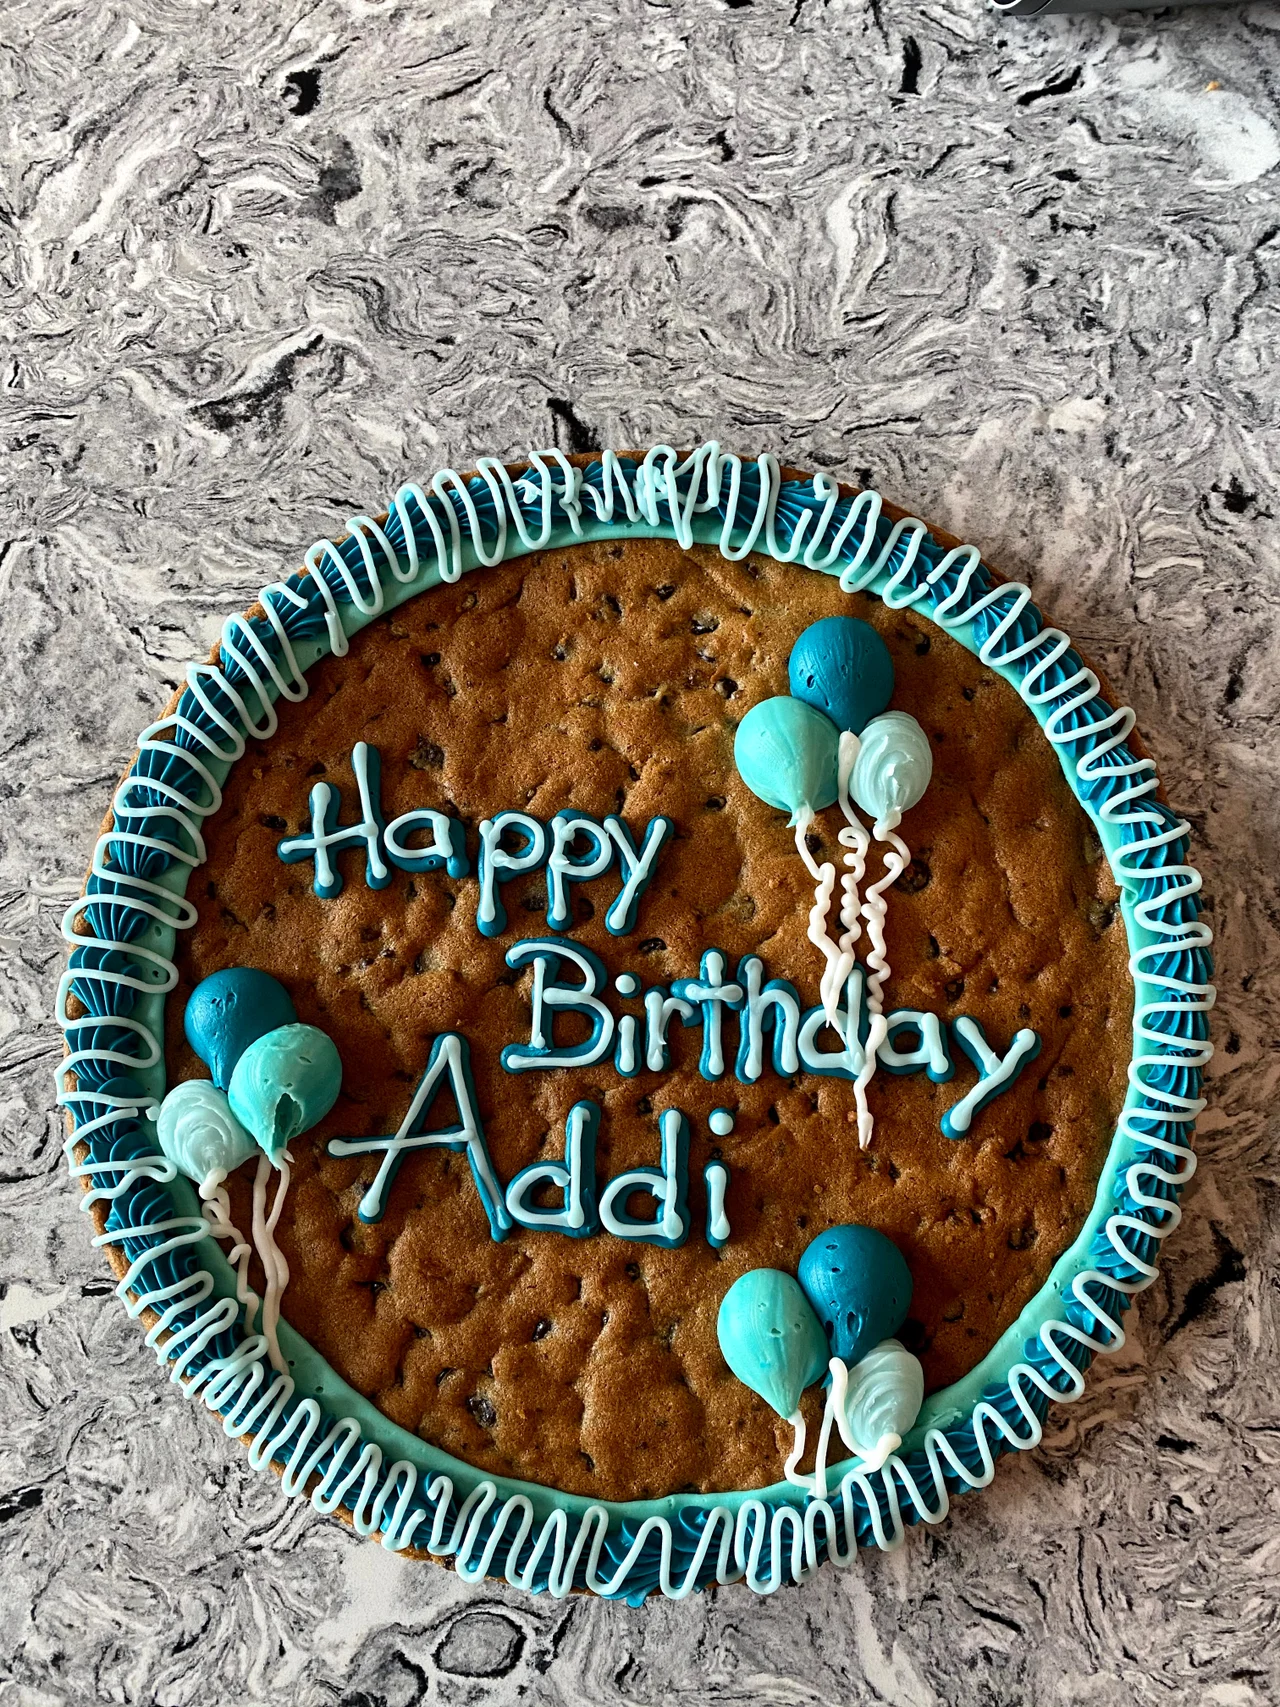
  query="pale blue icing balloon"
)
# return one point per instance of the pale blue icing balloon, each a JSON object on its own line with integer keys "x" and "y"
{"x": 893, "y": 766}
{"x": 200, "y": 1134}
{"x": 285, "y": 1083}
{"x": 859, "y": 1283}
{"x": 785, "y": 752}
{"x": 883, "y": 1400}
{"x": 842, "y": 667}
{"x": 771, "y": 1338}
{"x": 229, "y": 1011}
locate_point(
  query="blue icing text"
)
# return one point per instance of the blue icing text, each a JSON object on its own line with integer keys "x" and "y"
{"x": 450, "y": 1061}
{"x": 383, "y": 843}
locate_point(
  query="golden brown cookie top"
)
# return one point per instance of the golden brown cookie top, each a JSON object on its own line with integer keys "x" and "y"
{"x": 610, "y": 679}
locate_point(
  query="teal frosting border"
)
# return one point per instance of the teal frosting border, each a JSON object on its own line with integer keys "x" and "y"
{"x": 330, "y": 1442}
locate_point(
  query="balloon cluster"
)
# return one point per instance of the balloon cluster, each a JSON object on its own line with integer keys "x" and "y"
{"x": 779, "y": 1335}
{"x": 832, "y": 740}
{"x": 273, "y": 1079}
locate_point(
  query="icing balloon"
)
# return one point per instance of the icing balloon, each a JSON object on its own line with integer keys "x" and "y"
{"x": 882, "y": 1401}
{"x": 859, "y": 1283}
{"x": 785, "y": 752}
{"x": 200, "y": 1134}
{"x": 284, "y": 1083}
{"x": 231, "y": 1010}
{"x": 770, "y": 1337}
{"x": 893, "y": 766}
{"x": 842, "y": 667}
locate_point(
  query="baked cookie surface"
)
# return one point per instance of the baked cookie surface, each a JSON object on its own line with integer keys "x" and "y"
{"x": 611, "y": 679}
{"x": 607, "y": 678}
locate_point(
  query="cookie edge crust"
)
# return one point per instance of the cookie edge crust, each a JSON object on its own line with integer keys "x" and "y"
{"x": 727, "y": 1536}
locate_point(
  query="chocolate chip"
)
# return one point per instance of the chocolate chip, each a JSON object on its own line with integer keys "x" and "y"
{"x": 1101, "y": 915}
{"x": 652, "y": 945}
{"x": 715, "y": 803}
{"x": 542, "y": 1327}
{"x": 426, "y": 756}
{"x": 431, "y": 659}
{"x": 1038, "y": 1131}
{"x": 915, "y": 878}
{"x": 915, "y": 1336}
{"x": 482, "y": 1410}
{"x": 727, "y": 686}
{"x": 665, "y": 591}
{"x": 704, "y": 624}
{"x": 269, "y": 821}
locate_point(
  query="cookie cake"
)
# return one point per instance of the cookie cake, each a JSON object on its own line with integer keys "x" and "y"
{"x": 635, "y": 1023}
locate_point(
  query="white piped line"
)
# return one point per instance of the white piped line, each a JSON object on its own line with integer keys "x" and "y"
{"x": 764, "y": 1546}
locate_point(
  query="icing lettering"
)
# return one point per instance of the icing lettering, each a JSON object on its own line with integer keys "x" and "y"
{"x": 498, "y": 865}
{"x": 549, "y": 995}
{"x": 563, "y": 868}
{"x": 851, "y": 1026}
{"x": 716, "y": 1175}
{"x": 536, "y": 845}
{"x": 637, "y": 869}
{"x": 575, "y": 1177}
{"x": 668, "y": 1183}
{"x": 659, "y": 1010}
{"x": 450, "y": 1061}
{"x": 775, "y": 1005}
{"x": 930, "y": 1053}
{"x": 446, "y": 848}
{"x": 995, "y": 1072}
{"x": 710, "y": 992}
{"x": 383, "y": 843}
{"x": 326, "y": 832}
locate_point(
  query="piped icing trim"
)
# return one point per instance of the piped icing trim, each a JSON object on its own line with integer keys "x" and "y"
{"x": 332, "y": 1444}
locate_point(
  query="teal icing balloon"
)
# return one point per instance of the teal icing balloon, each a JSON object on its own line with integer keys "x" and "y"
{"x": 859, "y": 1283}
{"x": 229, "y": 1011}
{"x": 771, "y": 1338}
{"x": 284, "y": 1084}
{"x": 842, "y": 667}
{"x": 893, "y": 766}
{"x": 200, "y": 1134}
{"x": 785, "y": 752}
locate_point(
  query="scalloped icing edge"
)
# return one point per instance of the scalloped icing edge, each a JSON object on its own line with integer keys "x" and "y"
{"x": 327, "y": 1440}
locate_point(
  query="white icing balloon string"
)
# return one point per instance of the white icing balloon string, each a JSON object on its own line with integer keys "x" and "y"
{"x": 270, "y": 1255}
{"x": 790, "y": 1470}
{"x": 867, "y": 1458}
{"x": 897, "y": 858}
{"x": 837, "y": 965}
{"x": 216, "y": 1208}
{"x": 855, "y": 839}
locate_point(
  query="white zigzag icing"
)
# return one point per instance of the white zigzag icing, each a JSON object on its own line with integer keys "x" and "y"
{"x": 763, "y": 1543}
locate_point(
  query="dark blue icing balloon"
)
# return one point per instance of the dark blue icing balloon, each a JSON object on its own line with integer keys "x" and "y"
{"x": 841, "y": 667}
{"x": 859, "y": 1285}
{"x": 231, "y": 1010}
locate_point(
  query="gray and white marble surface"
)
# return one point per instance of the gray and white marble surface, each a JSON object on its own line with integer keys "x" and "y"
{"x": 261, "y": 262}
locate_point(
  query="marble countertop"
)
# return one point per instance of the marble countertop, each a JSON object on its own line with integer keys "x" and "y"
{"x": 261, "y": 263}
